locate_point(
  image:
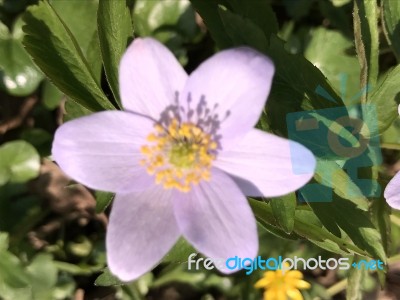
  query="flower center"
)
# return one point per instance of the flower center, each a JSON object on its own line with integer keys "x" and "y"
{"x": 182, "y": 155}
{"x": 179, "y": 155}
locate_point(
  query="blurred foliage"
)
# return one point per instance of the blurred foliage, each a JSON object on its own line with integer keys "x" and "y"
{"x": 19, "y": 162}
{"x": 59, "y": 61}
{"x": 19, "y": 76}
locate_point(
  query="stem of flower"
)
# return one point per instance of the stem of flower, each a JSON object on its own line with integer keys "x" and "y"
{"x": 337, "y": 288}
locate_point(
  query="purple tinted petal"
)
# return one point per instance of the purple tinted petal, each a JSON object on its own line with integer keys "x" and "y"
{"x": 216, "y": 218}
{"x": 102, "y": 150}
{"x": 238, "y": 81}
{"x": 392, "y": 192}
{"x": 273, "y": 165}
{"x": 248, "y": 188}
{"x": 142, "y": 229}
{"x": 149, "y": 77}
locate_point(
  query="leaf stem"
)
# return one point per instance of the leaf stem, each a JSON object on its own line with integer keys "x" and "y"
{"x": 337, "y": 287}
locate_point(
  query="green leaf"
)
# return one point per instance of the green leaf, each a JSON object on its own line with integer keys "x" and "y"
{"x": 74, "y": 110}
{"x": 51, "y": 95}
{"x": 354, "y": 290}
{"x": 385, "y": 99}
{"x": 330, "y": 174}
{"x": 10, "y": 293}
{"x": 43, "y": 271}
{"x": 259, "y": 12}
{"x": 77, "y": 269}
{"x": 103, "y": 200}
{"x": 179, "y": 252}
{"x": 43, "y": 276}
{"x": 338, "y": 16}
{"x": 161, "y": 18}
{"x": 18, "y": 74}
{"x": 19, "y": 162}
{"x": 107, "y": 279}
{"x": 171, "y": 22}
{"x": 365, "y": 22}
{"x": 265, "y": 217}
{"x": 391, "y": 137}
{"x": 11, "y": 271}
{"x": 278, "y": 232}
{"x": 308, "y": 226}
{"x": 284, "y": 210}
{"x": 38, "y": 138}
{"x": 57, "y": 53}
{"x": 81, "y": 22}
{"x": 4, "y": 241}
{"x": 80, "y": 247}
{"x": 243, "y": 31}
{"x": 93, "y": 55}
{"x": 330, "y": 133}
{"x": 300, "y": 90}
{"x": 298, "y": 8}
{"x": 14, "y": 6}
{"x": 325, "y": 49}
{"x": 115, "y": 32}
{"x": 353, "y": 221}
{"x": 380, "y": 214}
{"x": 133, "y": 291}
{"x": 339, "y": 3}
{"x": 195, "y": 279}
{"x": 209, "y": 11}
{"x": 305, "y": 80}
{"x": 391, "y": 18}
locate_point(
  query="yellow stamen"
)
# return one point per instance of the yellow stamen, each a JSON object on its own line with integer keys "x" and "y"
{"x": 179, "y": 155}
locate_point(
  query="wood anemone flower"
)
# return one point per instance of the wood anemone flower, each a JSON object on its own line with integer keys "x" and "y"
{"x": 182, "y": 156}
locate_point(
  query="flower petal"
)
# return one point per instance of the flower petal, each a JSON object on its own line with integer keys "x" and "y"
{"x": 294, "y": 294}
{"x": 264, "y": 282}
{"x": 141, "y": 231}
{"x": 302, "y": 284}
{"x": 263, "y": 164}
{"x": 216, "y": 218}
{"x": 278, "y": 292}
{"x": 294, "y": 274}
{"x": 102, "y": 150}
{"x": 270, "y": 294}
{"x": 281, "y": 294}
{"x": 392, "y": 192}
{"x": 235, "y": 84}
{"x": 149, "y": 77}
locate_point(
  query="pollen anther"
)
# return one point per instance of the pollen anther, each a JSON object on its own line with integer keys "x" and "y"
{"x": 179, "y": 155}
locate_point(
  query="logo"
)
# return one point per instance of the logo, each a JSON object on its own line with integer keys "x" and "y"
{"x": 341, "y": 135}
{"x": 237, "y": 263}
